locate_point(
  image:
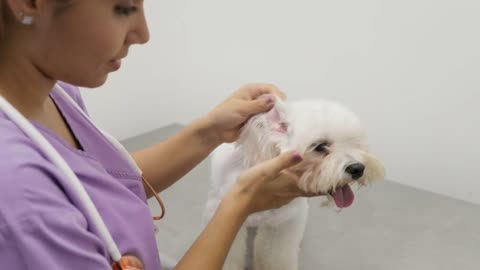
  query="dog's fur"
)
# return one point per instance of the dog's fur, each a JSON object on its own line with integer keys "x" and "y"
{"x": 330, "y": 137}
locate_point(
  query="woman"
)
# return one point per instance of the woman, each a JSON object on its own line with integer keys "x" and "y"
{"x": 70, "y": 42}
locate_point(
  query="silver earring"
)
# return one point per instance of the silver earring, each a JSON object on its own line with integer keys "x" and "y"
{"x": 26, "y": 20}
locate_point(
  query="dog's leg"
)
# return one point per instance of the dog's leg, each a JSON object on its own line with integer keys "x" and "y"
{"x": 277, "y": 247}
{"x": 237, "y": 256}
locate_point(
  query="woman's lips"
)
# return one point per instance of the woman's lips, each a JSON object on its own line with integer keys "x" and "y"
{"x": 115, "y": 64}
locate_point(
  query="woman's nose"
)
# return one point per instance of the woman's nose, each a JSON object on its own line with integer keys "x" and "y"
{"x": 139, "y": 33}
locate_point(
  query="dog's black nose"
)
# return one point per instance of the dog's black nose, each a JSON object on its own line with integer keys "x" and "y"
{"x": 355, "y": 170}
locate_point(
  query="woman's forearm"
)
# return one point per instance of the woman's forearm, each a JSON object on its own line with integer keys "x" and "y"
{"x": 166, "y": 162}
{"x": 211, "y": 248}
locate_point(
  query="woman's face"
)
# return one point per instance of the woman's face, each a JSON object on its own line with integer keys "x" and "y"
{"x": 82, "y": 41}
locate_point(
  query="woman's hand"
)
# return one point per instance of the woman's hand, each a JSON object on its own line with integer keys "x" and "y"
{"x": 226, "y": 120}
{"x": 267, "y": 186}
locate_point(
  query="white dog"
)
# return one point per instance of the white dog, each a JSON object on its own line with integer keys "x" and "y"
{"x": 335, "y": 153}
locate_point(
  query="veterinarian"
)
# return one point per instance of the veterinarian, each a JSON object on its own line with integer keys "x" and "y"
{"x": 70, "y": 196}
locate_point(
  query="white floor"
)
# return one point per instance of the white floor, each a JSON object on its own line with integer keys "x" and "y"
{"x": 389, "y": 226}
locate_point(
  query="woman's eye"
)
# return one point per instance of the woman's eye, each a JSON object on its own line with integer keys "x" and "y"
{"x": 322, "y": 148}
{"x": 125, "y": 10}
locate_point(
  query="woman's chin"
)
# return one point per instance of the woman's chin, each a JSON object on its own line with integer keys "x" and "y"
{"x": 90, "y": 82}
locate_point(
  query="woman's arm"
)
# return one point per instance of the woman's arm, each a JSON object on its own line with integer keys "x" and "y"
{"x": 166, "y": 162}
{"x": 262, "y": 187}
{"x": 210, "y": 249}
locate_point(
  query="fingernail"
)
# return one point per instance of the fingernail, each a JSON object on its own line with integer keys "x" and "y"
{"x": 268, "y": 99}
{"x": 297, "y": 156}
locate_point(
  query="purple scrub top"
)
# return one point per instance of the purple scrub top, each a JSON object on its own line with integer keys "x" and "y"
{"x": 41, "y": 227}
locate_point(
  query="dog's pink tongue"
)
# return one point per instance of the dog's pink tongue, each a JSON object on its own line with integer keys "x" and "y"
{"x": 343, "y": 196}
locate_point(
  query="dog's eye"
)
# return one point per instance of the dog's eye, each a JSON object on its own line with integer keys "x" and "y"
{"x": 322, "y": 148}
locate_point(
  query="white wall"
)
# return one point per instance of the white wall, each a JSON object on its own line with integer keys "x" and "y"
{"x": 410, "y": 69}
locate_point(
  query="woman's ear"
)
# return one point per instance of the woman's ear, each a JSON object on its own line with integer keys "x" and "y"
{"x": 25, "y": 11}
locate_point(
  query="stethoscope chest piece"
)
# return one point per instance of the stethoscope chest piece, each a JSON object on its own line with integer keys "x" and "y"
{"x": 128, "y": 263}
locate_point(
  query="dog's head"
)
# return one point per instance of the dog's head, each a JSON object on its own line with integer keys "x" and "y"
{"x": 331, "y": 138}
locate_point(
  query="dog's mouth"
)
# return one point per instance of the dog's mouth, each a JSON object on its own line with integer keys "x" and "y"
{"x": 343, "y": 196}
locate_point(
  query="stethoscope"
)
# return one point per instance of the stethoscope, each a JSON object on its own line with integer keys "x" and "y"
{"x": 72, "y": 183}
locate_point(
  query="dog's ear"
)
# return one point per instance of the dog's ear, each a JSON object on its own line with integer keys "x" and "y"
{"x": 273, "y": 122}
{"x": 374, "y": 169}
{"x": 276, "y": 119}
{"x": 265, "y": 135}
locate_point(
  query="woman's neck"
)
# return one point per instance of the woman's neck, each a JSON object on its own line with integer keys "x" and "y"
{"x": 23, "y": 84}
